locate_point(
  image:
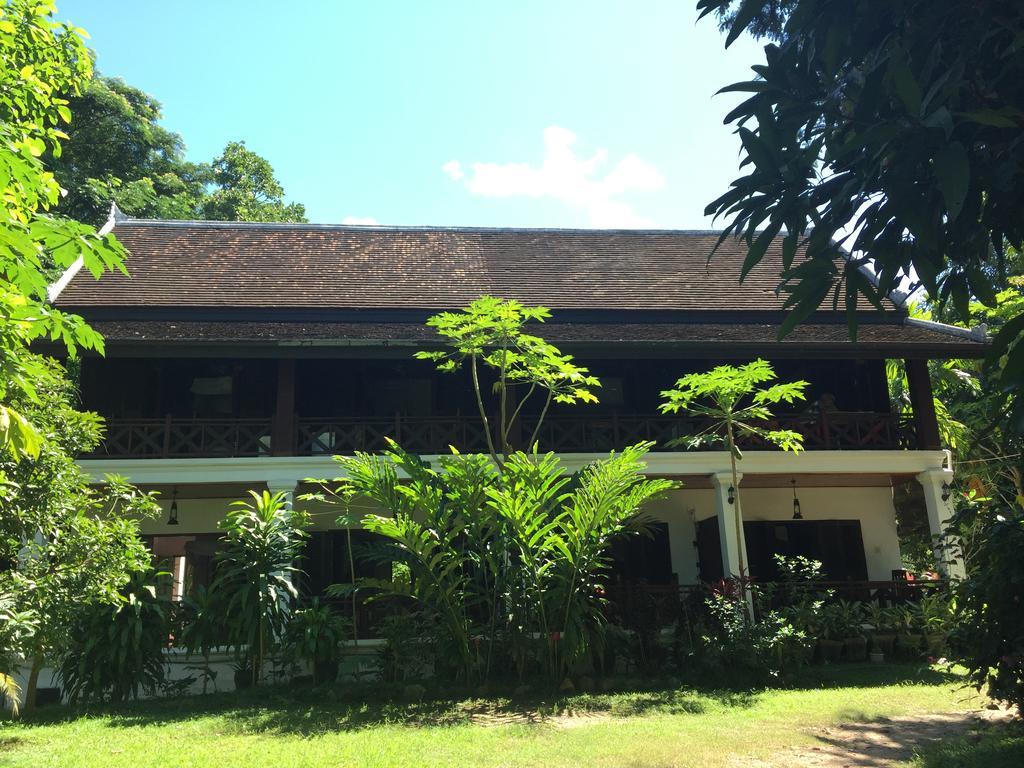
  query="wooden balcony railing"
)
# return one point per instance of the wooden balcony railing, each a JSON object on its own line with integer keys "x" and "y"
{"x": 174, "y": 437}
{"x": 185, "y": 438}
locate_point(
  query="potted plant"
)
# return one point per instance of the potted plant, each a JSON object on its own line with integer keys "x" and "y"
{"x": 932, "y": 615}
{"x": 805, "y": 616}
{"x": 883, "y": 621}
{"x": 243, "y": 672}
{"x": 830, "y": 646}
{"x": 908, "y": 637}
{"x": 313, "y": 637}
{"x": 850, "y": 618}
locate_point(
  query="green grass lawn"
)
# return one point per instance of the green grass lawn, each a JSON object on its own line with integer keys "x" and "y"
{"x": 662, "y": 727}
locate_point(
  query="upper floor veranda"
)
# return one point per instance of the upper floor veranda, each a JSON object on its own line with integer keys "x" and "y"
{"x": 242, "y": 340}
{"x": 202, "y": 407}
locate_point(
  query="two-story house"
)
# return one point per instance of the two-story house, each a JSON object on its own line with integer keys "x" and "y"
{"x": 242, "y": 356}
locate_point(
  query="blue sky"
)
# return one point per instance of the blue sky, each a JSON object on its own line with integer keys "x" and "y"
{"x": 547, "y": 114}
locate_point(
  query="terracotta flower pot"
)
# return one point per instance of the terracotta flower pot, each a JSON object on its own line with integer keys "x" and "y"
{"x": 243, "y": 679}
{"x": 908, "y": 646}
{"x": 831, "y": 650}
{"x": 883, "y": 642}
{"x": 855, "y": 648}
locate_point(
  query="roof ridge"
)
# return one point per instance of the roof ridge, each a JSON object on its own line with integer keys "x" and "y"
{"x": 123, "y": 220}
{"x": 976, "y": 333}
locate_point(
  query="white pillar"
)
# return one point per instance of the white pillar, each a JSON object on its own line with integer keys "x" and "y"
{"x": 287, "y": 487}
{"x": 732, "y": 546}
{"x": 936, "y": 484}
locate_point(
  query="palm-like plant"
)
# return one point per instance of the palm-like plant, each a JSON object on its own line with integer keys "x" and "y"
{"x": 202, "y": 628}
{"x": 522, "y": 553}
{"x": 117, "y": 649}
{"x": 736, "y": 401}
{"x": 253, "y": 582}
{"x": 603, "y": 504}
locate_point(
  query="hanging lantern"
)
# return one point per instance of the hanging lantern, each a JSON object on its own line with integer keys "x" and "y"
{"x": 797, "y": 514}
{"x": 172, "y": 517}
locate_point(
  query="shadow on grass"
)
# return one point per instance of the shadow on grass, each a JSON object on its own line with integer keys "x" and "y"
{"x": 870, "y": 676}
{"x": 310, "y": 711}
{"x": 995, "y": 745}
{"x": 950, "y": 740}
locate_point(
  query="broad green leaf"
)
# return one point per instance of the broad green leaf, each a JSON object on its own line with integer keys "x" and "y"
{"x": 953, "y": 174}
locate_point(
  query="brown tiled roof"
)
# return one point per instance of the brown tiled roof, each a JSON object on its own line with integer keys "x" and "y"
{"x": 740, "y": 337}
{"x": 207, "y": 264}
{"x": 230, "y": 283}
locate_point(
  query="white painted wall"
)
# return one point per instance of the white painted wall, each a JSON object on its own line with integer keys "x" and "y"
{"x": 872, "y": 506}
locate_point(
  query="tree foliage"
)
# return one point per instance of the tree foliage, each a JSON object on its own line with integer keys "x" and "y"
{"x": 736, "y": 403}
{"x": 898, "y": 121}
{"x": 68, "y": 543}
{"x": 118, "y": 151}
{"x": 989, "y": 635}
{"x": 41, "y": 63}
{"x": 489, "y": 333}
{"x": 245, "y": 189}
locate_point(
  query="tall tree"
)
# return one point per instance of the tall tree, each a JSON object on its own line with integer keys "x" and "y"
{"x": 490, "y": 334}
{"x": 118, "y": 151}
{"x": 40, "y": 60}
{"x": 898, "y": 120}
{"x": 245, "y": 189}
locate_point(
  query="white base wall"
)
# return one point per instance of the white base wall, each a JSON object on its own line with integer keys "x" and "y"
{"x": 357, "y": 662}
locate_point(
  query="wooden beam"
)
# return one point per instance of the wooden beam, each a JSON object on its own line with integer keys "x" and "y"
{"x": 922, "y": 401}
{"x": 282, "y": 438}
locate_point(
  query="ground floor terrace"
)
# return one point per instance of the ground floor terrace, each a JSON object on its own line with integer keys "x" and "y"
{"x": 833, "y": 506}
{"x": 847, "y": 520}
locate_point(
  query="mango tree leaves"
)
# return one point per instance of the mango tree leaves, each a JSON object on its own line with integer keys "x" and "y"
{"x": 897, "y": 122}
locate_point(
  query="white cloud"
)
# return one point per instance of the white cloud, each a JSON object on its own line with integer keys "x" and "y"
{"x": 565, "y": 176}
{"x": 453, "y": 169}
{"x": 360, "y": 220}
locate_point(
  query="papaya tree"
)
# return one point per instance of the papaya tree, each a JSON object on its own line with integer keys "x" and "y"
{"x": 736, "y": 401}
{"x": 490, "y": 334}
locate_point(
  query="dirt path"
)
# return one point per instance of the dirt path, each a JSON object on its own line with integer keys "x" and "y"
{"x": 881, "y": 743}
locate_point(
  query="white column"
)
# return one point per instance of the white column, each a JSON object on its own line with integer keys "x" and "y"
{"x": 732, "y": 546}
{"x": 287, "y": 487}
{"x": 939, "y": 512}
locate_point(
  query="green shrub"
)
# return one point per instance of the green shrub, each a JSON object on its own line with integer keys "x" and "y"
{"x": 116, "y": 650}
{"x": 498, "y": 558}
{"x": 733, "y": 643}
{"x": 410, "y": 650}
{"x": 313, "y": 635}
{"x": 988, "y": 634}
{"x": 253, "y": 585}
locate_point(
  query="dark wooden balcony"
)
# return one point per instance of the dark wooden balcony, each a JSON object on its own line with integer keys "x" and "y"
{"x": 310, "y": 436}
{"x": 185, "y": 438}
